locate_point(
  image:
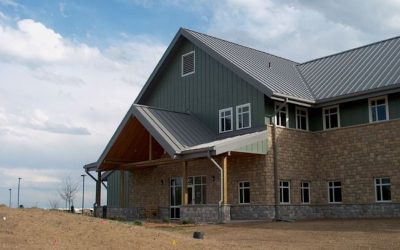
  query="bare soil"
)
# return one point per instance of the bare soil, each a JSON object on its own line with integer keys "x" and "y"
{"x": 40, "y": 229}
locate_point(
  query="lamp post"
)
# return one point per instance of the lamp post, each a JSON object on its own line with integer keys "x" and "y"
{"x": 9, "y": 204}
{"x": 19, "y": 182}
{"x": 83, "y": 191}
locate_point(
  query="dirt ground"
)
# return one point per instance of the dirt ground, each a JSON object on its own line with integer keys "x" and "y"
{"x": 40, "y": 229}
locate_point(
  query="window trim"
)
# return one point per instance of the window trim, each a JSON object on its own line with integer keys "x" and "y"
{"x": 303, "y": 109}
{"x": 386, "y": 108}
{"x": 309, "y": 192}
{"x": 333, "y": 187}
{"x": 194, "y": 63}
{"x": 281, "y": 202}
{"x": 323, "y": 116}
{"x": 237, "y": 115}
{"x": 219, "y": 119}
{"x": 239, "y": 190}
{"x": 376, "y": 195}
{"x": 276, "y": 114}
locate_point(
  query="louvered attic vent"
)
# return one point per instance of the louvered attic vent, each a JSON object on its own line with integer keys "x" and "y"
{"x": 188, "y": 63}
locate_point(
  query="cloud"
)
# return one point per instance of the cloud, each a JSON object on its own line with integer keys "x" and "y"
{"x": 300, "y": 29}
{"x": 61, "y": 101}
{"x": 9, "y": 3}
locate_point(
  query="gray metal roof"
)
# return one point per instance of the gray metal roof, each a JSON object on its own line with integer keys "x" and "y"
{"x": 359, "y": 70}
{"x": 175, "y": 131}
{"x": 279, "y": 75}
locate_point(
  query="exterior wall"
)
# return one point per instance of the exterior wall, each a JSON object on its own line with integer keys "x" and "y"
{"x": 114, "y": 189}
{"x": 212, "y": 87}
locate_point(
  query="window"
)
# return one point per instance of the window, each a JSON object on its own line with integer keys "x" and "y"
{"x": 244, "y": 192}
{"x": 243, "y": 116}
{"x": 335, "y": 191}
{"x": 225, "y": 120}
{"x": 378, "y": 109}
{"x": 382, "y": 189}
{"x": 188, "y": 63}
{"x": 305, "y": 192}
{"x": 301, "y": 118}
{"x": 331, "y": 117}
{"x": 284, "y": 192}
{"x": 281, "y": 118}
{"x": 197, "y": 190}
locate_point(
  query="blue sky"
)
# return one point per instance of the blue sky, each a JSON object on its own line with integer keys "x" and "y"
{"x": 69, "y": 70}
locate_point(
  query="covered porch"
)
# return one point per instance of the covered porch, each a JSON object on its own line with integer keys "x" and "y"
{"x": 169, "y": 165}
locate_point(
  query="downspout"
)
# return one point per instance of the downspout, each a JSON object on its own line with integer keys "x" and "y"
{"x": 275, "y": 156}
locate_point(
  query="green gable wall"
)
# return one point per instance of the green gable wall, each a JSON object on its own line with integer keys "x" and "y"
{"x": 212, "y": 87}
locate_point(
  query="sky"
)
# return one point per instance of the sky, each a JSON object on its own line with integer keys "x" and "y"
{"x": 69, "y": 70}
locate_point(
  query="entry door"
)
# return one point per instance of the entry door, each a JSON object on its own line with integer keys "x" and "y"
{"x": 175, "y": 197}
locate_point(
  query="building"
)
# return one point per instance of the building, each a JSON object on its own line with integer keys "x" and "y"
{"x": 224, "y": 132}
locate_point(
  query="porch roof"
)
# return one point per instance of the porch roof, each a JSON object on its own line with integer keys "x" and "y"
{"x": 179, "y": 134}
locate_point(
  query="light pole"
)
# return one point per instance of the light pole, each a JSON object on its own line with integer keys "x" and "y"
{"x": 19, "y": 182}
{"x": 9, "y": 204}
{"x": 83, "y": 191}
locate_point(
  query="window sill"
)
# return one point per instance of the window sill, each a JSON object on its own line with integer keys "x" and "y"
{"x": 388, "y": 201}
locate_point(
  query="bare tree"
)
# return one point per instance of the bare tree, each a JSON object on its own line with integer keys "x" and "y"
{"x": 68, "y": 191}
{"x": 54, "y": 203}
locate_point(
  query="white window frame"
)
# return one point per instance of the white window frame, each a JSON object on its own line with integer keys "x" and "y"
{"x": 302, "y": 188}
{"x": 194, "y": 63}
{"x": 386, "y": 108}
{"x": 302, "y": 109}
{"x": 219, "y": 119}
{"x": 278, "y": 114}
{"x": 380, "y": 185}
{"x": 282, "y": 187}
{"x": 338, "y": 116}
{"x": 237, "y": 115}
{"x": 193, "y": 186}
{"x": 243, "y": 188}
{"x": 333, "y": 193}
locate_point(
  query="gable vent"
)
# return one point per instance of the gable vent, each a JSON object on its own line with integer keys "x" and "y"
{"x": 188, "y": 63}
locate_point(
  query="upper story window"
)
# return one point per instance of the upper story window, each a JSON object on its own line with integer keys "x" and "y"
{"x": 301, "y": 118}
{"x": 281, "y": 117}
{"x": 243, "y": 116}
{"x": 378, "y": 109}
{"x": 188, "y": 63}
{"x": 331, "y": 117}
{"x": 225, "y": 120}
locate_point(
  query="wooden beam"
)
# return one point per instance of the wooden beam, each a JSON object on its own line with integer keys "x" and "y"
{"x": 149, "y": 163}
{"x": 185, "y": 182}
{"x": 225, "y": 176}
{"x": 98, "y": 189}
{"x": 150, "y": 148}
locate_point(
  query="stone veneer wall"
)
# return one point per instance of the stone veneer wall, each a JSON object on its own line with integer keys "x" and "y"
{"x": 353, "y": 155}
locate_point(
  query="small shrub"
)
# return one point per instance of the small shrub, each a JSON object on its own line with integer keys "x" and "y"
{"x": 166, "y": 220}
{"x": 138, "y": 223}
{"x": 188, "y": 221}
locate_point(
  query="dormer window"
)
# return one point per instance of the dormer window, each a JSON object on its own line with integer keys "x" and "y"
{"x": 243, "y": 116}
{"x": 188, "y": 63}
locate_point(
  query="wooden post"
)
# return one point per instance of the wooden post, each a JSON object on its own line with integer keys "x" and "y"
{"x": 150, "y": 147}
{"x": 98, "y": 189}
{"x": 225, "y": 175}
{"x": 185, "y": 182}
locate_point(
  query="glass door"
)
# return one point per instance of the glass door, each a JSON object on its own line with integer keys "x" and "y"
{"x": 175, "y": 197}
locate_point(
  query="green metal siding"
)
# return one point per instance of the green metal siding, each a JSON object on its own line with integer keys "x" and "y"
{"x": 394, "y": 106}
{"x": 113, "y": 189}
{"x": 354, "y": 113}
{"x": 212, "y": 87}
{"x": 255, "y": 148}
